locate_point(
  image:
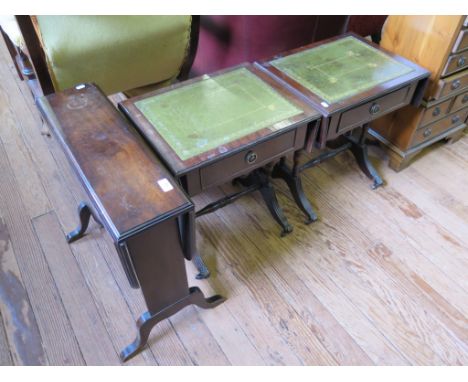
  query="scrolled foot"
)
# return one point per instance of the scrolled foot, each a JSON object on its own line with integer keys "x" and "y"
{"x": 310, "y": 220}
{"x": 286, "y": 230}
{"x": 359, "y": 151}
{"x": 84, "y": 214}
{"x": 197, "y": 298}
{"x": 203, "y": 271}
{"x": 73, "y": 236}
{"x": 377, "y": 182}
{"x": 144, "y": 325}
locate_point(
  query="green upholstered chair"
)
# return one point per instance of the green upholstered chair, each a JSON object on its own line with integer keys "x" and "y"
{"x": 131, "y": 54}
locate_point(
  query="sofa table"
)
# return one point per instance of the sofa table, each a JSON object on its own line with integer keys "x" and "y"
{"x": 351, "y": 81}
{"x": 224, "y": 126}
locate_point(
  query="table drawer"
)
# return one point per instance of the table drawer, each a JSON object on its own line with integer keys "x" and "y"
{"x": 460, "y": 102}
{"x": 435, "y": 112}
{"x": 462, "y": 42}
{"x": 430, "y": 131}
{"x": 451, "y": 85}
{"x": 372, "y": 110}
{"x": 455, "y": 63}
{"x": 235, "y": 165}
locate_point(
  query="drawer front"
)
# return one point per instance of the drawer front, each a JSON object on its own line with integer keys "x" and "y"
{"x": 462, "y": 42}
{"x": 430, "y": 131}
{"x": 235, "y": 165}
{"x": 435, "y": 112}
{"x": 452, "y": 84}
{"x": 374, "y": 109}
{"x": 460, "y": 102}
{"x": 455, "y": 63}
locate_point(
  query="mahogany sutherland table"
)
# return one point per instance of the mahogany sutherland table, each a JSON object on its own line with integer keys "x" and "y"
{"x": 149, "y": 217}
{"x": 351, "y": 81}
{"x": 220, "y": 127}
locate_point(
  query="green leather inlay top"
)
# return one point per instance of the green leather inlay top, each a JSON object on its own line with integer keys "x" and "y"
{"x": 117, "y": 53}
{"x": 341, "y": 69}
{"x": 217, "y": 110}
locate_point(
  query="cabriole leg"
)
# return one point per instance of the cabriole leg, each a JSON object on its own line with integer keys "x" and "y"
{"x": 294, "y": 182}
{"x": 260, "y": 178}
{"x": 359, "y": 150}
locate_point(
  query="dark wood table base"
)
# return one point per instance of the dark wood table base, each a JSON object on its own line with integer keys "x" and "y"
{"x": 294, "y": 182}
{"x": 260, "y": 179}
{"x": 358, "y": 147}
{"x": 359, "y": 150}
{"x": 148, "y": 320}
{"x": 257, "y": 180}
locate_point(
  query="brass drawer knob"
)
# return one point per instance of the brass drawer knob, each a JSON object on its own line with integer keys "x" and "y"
{"x": 465, "y": 98}
{"x": 375, "y": 108}
{"x": 251, "y": 157}
{"x": 436, "y": 111}
{"x": 455, "y": 119}
{"x": 456, "y": 84}
{"x": 461, "y": 61}
{"x": 427, "y": 132}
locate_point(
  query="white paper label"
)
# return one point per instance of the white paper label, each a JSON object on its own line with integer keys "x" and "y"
{"x": 280, "y": 125}
{"x": 165, "y": 185}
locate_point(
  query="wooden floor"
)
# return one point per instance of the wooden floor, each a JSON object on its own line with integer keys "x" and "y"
{"x": 380, "y": 279}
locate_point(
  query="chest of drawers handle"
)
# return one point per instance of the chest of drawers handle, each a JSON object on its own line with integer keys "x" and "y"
{"x": 436, "y": 111}
{"x": 456, "y": 84}
{"x": 251, "y": 157}
{"x": 427, "y": 132}
{"x": 461, "y": 61}
{"x": 455, "y": 119}
{"x": 374, "y": 109}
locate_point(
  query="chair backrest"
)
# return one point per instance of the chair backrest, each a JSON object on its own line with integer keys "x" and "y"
{"x": 35, "y": 53}
{"x": 230, "y": 40}
{"x": 118, "y": 53}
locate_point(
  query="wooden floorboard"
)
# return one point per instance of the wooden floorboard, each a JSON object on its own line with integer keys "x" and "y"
{"x": 18, "y": 319}
{"x": 253, "y": 256}
{"x": 380, "y": 279}
{"x": 5, "y": 352}
{"x": 75, "y": 294}
{"x": 57, "y": 335}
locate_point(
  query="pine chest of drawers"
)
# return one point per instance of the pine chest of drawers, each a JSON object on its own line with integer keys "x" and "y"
{"x": 440, "y": 44}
